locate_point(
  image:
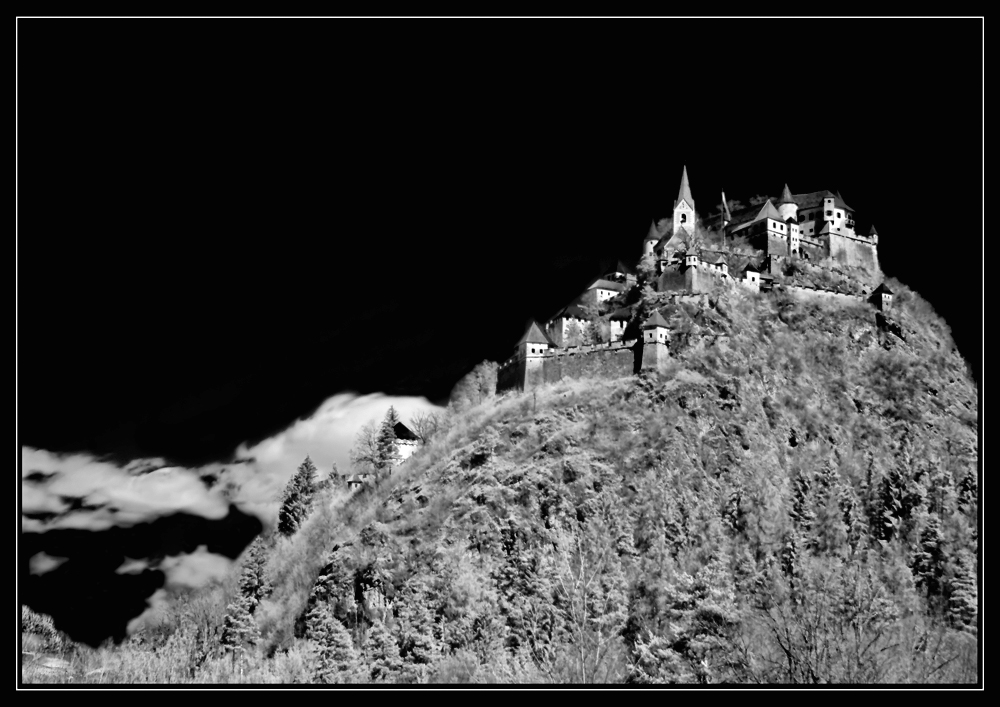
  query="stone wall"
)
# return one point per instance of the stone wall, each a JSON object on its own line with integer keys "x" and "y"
{"x": 855, "y": 252}
{"x": 597, "y": 362}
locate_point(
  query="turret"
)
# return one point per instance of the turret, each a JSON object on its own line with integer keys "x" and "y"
{"x": 787, "y": 207}
{"x": 651, "y": 239}
{"x": 684, "y": 214}
{"x": 873, "y": 234}
{"x": 655, "y": 334}
{"x": 881, "y": 298}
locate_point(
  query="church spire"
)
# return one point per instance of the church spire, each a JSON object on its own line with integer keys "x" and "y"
{"x": 684, "y": 193}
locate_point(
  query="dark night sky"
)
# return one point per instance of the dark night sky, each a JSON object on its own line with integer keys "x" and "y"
{"x": 221, "y": 224}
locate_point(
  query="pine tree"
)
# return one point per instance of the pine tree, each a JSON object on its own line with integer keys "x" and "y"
{"x": 963, "y": 593}
{"x": 254, "y": 584}
{"x": 337, "y": 661}
{"x": 296, "y": 501}
{"x": 239, "y": 630}
{"x": 386, "y": 443}
{"x": 382, "y": 652}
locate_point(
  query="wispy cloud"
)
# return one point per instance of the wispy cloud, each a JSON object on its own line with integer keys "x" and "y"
{"x": 83, "y": 492}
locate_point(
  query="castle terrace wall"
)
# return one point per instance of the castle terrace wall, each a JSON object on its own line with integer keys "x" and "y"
{"x": 855, "y": 252}
{"x": 590, "y": 362}
{"x": 811, "y": 294}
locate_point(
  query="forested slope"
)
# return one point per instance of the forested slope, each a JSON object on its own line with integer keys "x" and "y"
{"x": 793, "y": 499}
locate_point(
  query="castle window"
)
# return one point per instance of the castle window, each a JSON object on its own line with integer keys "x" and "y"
{"x": 839, "y": 215}
{"x": 829, "y": 212}
{"x": 684, "y": 218}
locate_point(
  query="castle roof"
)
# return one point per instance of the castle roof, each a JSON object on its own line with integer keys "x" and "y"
{"x": 712, "y": 258}
{"x": 622, "y": 314}
{"x": 403, "y": 432}
{"x": 655, "y": 321}
{"x": 653, "y": 234}
{"x": 755, "y": 214}
{"x": 815, "y": 198}
{"x": 622, "y": 268}
{"x": 826, "y": 229}
{"x": 535, "y": 335}
{"x": 601, "y": 283}
{"x": 786, "y": 196}
{"x": 882, "y": 289}
{"x": 673, "y": 242}
{"x": 573, "y": 311}
{"x": 873, "y": 232}
{"x": 749, "y": 267}
{"x": 685, "y": 191}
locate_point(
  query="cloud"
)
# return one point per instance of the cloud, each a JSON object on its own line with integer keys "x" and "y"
{"x": 130, "y": 566}
{"x": 83, "y": 492}
{"x": 41, "y": 563}
{"x": 104, "y": 495}
{"x": 195, "y": 569}
{"x": 328, "y": 434}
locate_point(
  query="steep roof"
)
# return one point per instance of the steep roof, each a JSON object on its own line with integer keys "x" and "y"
{"x": 749, "y": 267}
{"x": 873, "y": 232}
{"x": 674, "y": 242}
{"x": 653, "y": 234}
{"x": 685, "y": 191}
{"x": 655, "y": 321}
{"x": 882, "y": 289}
{"x": 815, "y": 198}
{"x": 534, "y": 335}
{"x": 403, "y": 432}
{"x": 572, "y": 311}
{"x": 754, "y": 214}
{"x": 711, "y": 257}
{"x": 786, "y": 196}
{"x": 621, "y": 314}
{"x": 622, "y": 268}
{"x": 606, "y": 285}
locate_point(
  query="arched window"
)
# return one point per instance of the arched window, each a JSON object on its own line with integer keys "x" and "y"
{"x": 684, "y": 218}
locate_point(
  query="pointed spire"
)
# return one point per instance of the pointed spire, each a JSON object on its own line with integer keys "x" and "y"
{"x": 653, "y": 234}
{"x": 786, "y": 196}
{"x": 656, "y": 320}
{"x": 685, "y": 191}
{"x": 726, "y": 216}
{"x": 534, "y": 335}
{"x": 873, "y": 232}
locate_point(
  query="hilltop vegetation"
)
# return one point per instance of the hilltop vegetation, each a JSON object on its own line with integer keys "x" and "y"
{"x": 793, "y": 499}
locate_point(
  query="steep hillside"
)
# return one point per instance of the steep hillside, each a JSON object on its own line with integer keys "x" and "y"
{"x": 793, "y": 498}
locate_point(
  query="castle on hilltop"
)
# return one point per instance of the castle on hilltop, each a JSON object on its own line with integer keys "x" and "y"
{"x": 588, "y": 336}
{"x": 811, "y": 226}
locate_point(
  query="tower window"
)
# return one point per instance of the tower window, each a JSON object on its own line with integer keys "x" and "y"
{"x": 829, "y": 212}
{"x": 684, "y": 218}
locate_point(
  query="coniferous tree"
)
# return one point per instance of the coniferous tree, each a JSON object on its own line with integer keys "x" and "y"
{"x": 963, "y": 593}
{"x": 386, "y": 441}
{"x": 382, "y": 652}
{"x": 254, "y": 583}
{"x": 240, "y": 631}
{"x": 297, "y": 499}
{"x": 336, "y": 660}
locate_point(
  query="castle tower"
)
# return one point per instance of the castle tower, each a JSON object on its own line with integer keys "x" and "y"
{"x": 530, "y": 348}
{"x": 684, "y": 214}
{"x": 873, "y": 234}
{"x": 787, "y": 208}
{"x": 651, "y": 239}
{"x": 655, "y": 334}
{"x": 881, "y": 298}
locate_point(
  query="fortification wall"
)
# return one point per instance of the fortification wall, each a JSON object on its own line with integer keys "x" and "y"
{"x": 590, "y": 362}
{"x": 809, "y": 294}
{"x": 510, "y": 375}
{"x": 700, "y": 279}
{"x": 855, "y": 252}
{"x": 673, "y": 280}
